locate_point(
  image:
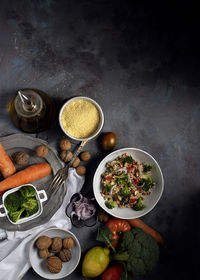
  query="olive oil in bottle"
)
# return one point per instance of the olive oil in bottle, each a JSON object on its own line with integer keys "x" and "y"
{"x": 32, "y": 111}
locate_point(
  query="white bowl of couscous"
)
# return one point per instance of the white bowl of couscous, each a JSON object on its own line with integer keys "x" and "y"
{"x": 81, "y": 118}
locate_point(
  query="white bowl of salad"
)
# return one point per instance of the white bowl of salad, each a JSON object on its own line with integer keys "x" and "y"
{"x": 128, "y": 183}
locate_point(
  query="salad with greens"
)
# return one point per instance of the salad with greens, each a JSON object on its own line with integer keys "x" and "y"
{"x": 125, "y": 182}
{"x": 22, "y": 203}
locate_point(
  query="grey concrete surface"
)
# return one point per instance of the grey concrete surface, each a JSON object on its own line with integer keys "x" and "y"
{"x": 140, "y": 62}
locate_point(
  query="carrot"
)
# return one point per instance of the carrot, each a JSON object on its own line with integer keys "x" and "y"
{"x": 7, "y": 168}
{"x": 25, "y": 176}
{"x": 147, "y": 229}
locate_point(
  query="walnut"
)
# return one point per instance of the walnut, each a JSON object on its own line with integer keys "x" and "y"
{"x": 65, "y": 255}
{"x": 76, "y": 162}
{"x": 43, "y": 242}
{"x": 44, "y": 253}
{"x": 21, "y": 158}
{"x": 42, "y": 151}
{"x": 85, "y": 156}
{"x": 66, "y": 156}
{"x": 68, "y": 243}
{"x": 56, "y": 245}
{"x": 54, "y": 264}
{"x": 65, "y": 145}
{"x": 81, "y": 170}
{"x": 103, "y": 217}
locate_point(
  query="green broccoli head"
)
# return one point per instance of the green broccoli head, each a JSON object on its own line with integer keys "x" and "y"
{"x": 125, "y": 192}
{"x": 15, "y": 216}
{"x": 28, "y": 191}
{"x": 107, "y": 188}
{"x": 147, "y": 183}
{"x": 139, "y": 205}
{"x": 30, "y": 205}
{"x": 110, "y": 204}
{"x": 13, "y": 201}
{"x": 150, "y": 249}
{"x": 122, "y": 179}
{"x": 140, "y": 252}
{"x": 147, "y": 168}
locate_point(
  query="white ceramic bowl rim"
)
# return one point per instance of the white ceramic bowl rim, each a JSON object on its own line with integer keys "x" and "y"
{"x": 101, "y": 123}
{"x": 145, "y": 211}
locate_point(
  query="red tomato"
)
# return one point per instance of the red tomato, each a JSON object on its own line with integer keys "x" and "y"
{"x": 136, "y": 181}
{"x": 132, "y": 200}
{"x": 109, "y": 178}
{"x": 113, "y": 273}
{"x": 109, "y": 140}
{"x": 115, "y": 226}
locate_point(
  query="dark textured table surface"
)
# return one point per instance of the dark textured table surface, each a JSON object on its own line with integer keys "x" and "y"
{"x": 141, "y": 64}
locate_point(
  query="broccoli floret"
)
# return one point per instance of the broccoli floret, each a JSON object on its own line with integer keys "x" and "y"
{"x": 125, "y": 192}
{"x": 28, "y": 191}
{"x": 110, "y": 204}
{"x": 139, "y": 250}
{"x": 31, "y": 206}
{"x": 147, "y": 168}
{"x": 139, "y": 205}
{"x": 122, "y": 179}
{"x": 13, "y": 201}
{"x": 128, "y": 159}
{"x": 147, "y": 182}
{"x": 107, "y": 188}
{"x": 15, "y": 216}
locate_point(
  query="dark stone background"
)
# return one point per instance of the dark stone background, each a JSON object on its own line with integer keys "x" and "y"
{"x": 140, "y": 61}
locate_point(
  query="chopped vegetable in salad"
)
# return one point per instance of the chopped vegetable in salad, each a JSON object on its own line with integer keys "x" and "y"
{"x": 125, "y": 183}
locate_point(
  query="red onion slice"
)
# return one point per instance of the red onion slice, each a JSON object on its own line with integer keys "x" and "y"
{"x": 83, "y": 208}
{"x": 122, "y": 169}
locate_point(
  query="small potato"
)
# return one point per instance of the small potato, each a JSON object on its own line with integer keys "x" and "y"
{"x": 81, "y": 170}
{"x": 65, "y": 145}
{"x": 76, "y": 162}
{"x": 42, "y": 151}
{"x": 85, "y": 156}
{"x": 66, "y": 156}
{"x": 21, "y": 158}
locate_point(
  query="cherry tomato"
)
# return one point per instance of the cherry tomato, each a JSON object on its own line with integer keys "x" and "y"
{"x": 109, "y": 140}
{"x": 109, "y": 178}
{"x": 113, "y": 273}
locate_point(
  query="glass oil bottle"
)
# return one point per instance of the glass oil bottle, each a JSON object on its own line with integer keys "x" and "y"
{"x": 32, "y": 111}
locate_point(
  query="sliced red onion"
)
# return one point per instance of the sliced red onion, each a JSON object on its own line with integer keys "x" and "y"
{"x": 84, "y": 209}
{"x": 122, "y": 169}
